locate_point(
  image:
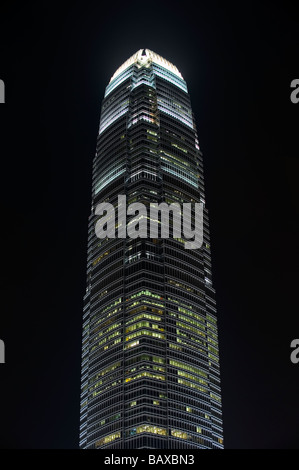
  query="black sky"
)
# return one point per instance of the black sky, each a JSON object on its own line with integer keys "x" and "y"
{"x": 238, "y": 60}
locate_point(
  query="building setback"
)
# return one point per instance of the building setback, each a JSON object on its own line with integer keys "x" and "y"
{"x": 150, "y": 363}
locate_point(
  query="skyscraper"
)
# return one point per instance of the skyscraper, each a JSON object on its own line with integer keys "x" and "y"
{"x": 150, "y": 364}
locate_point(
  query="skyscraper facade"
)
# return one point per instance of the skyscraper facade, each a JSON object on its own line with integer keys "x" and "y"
{"x": 150, "y": 363}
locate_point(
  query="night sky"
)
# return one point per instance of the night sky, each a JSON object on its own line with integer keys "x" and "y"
{"x": 238, "y": 61}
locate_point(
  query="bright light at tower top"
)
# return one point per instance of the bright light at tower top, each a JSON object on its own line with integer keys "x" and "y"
{"x": 143, "y": 58}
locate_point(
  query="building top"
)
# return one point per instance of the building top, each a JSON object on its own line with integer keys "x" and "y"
{"x": 144, "y": 57}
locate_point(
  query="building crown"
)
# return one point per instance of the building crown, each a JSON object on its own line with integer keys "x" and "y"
{"x": 144, "y": 58}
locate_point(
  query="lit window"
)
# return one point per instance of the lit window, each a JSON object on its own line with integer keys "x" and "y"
{"x": 180, "y": 434}
{"x": 108, "y": 439}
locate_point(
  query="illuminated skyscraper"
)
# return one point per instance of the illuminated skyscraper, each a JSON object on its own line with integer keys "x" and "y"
{"x": 150, "y": 365}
